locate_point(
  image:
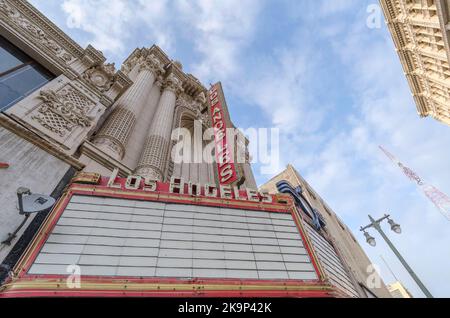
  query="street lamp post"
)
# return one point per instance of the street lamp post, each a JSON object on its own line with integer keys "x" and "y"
{"x": 396, "y": 228}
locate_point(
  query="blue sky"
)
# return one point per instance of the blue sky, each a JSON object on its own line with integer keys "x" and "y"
{"x": 333, "y": 86}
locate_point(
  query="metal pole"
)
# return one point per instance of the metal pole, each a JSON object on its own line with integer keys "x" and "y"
{"x": 377, "y": 226}
{"x": 390, "y": 269}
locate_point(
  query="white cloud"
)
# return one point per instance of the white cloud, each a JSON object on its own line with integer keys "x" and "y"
{"x": 341, "y": 158}
{"x": 220, "y": 31}
{"x": 355, "y": 177}
{"x": 104, "y": 20}
{"x": 217, "y": 31}
{"x": 327, "y": 8}
{"x": 334, "y": 144}
{"x": 278, "y": 85}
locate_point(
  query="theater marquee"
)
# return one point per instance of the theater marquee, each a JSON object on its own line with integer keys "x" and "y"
{"x": 161, "y": 243}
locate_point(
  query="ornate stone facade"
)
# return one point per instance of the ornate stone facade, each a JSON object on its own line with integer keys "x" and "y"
{"x": 421, "y": 34}
{"x": 101, "y": 76}
{"x": 40, "y": 36}
{"x": 61, "y": 111}
{"x": 92, "y": 117}
{"x": 153, "y": 157}
{"x": 121, "y": 122}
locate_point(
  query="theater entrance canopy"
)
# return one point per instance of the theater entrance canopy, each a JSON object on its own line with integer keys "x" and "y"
{"x": 122, "y": 237}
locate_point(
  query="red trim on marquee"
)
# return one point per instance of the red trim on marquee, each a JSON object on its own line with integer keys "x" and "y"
{"x": 308, "y": 246}
{"x": 175, "y": 294}
{"x": 161, "y": 195}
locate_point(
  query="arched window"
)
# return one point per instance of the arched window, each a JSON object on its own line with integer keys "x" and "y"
{"x": 195, "y": 168}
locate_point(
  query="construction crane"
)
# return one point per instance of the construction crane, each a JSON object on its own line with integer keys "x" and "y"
{"x": 439, "y": 199}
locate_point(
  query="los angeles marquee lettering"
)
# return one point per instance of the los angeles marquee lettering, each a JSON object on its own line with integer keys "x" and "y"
{"x": 226, "y": 168}
{"x": 178, "y": 186}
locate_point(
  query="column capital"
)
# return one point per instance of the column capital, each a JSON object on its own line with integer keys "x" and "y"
{"x": 201, "y": 98}
{"x": 173, "y": 84}
{"x": 159, "y": 81}
{"x": 151, "y": 63}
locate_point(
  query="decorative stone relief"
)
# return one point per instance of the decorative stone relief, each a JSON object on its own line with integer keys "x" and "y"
{"x": 174, "y": 84}
{"x": 19, "y": 20}
{"x": 116, "y": 131}
{"x": 109, "y": 143}
{"x": 130, "y": 63}
{"x": 64, "y": 110}
{"x": 151, "y": 63}
{"x": 101, "y": 76}
{"x": 183, "y": 102}
{"x": 201, "y": 98}
{"x": 196, "y": 106}
{"x": 149, "y": 173}
{"x": 145, "y": 60}
{"x": 151, "y": 163}
{"x": 205, "y": 118}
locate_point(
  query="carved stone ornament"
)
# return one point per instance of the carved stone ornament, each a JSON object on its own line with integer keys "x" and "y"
{"x": 149, "y": 173}
{"x": 64, "y": 110}
{"x": 101, "y": 76}
{"x": 206, "y": 119}
{"x": 173, "y": 84}
{"x": 126, "y": 67}
{"x": 201, "y": 98}
{"x": 192, "y": 106}
{"x": 131, "y": 62}
{"x": 19, "y": 20}
{"x": 151, "y": 63}
{"x": 196, "y": 107}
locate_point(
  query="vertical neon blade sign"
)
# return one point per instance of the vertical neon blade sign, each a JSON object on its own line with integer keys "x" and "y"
{"x": 224, "y": 155}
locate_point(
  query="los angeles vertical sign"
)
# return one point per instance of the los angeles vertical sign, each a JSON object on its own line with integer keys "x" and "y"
{"x": 224, "y": 155}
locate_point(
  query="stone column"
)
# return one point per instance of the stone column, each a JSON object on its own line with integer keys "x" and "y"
{"x": 114, "y": 134}
{"x": 153, "y": 157}
{"x": 143, "y": 123}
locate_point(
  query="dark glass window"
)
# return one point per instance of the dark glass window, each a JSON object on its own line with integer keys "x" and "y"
{"x": 19, "y": 75}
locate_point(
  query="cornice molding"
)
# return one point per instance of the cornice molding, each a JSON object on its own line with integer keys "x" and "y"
{"x": 33, "y": 138}
{"x": 191, "y": 85}
{"x": 424, "y": 66}
{"x": 32, "y": 25}
{"x": 92, "y": 151}
{"x": 30, "y": 30}
{"x": 173, "y": 83}
{"x": 41, "y": 20}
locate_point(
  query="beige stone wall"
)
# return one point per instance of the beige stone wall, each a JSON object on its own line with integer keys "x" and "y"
{"x": 30, "y": 167}
{"x": 41, "y": 112}
{"x": 421, "y": 34}
{"x": 351, "y": 252}
{"x": 91, "y": 116}
{"x": 66, "y": 110}
{"x": 104, "y": 117}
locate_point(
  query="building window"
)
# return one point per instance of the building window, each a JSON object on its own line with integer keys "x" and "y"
{"x": 19, "y": 75}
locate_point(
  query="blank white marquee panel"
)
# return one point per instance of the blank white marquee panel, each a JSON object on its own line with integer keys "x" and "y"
{"x": 333, "y": 266}
{"x": 120, "y": 237}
